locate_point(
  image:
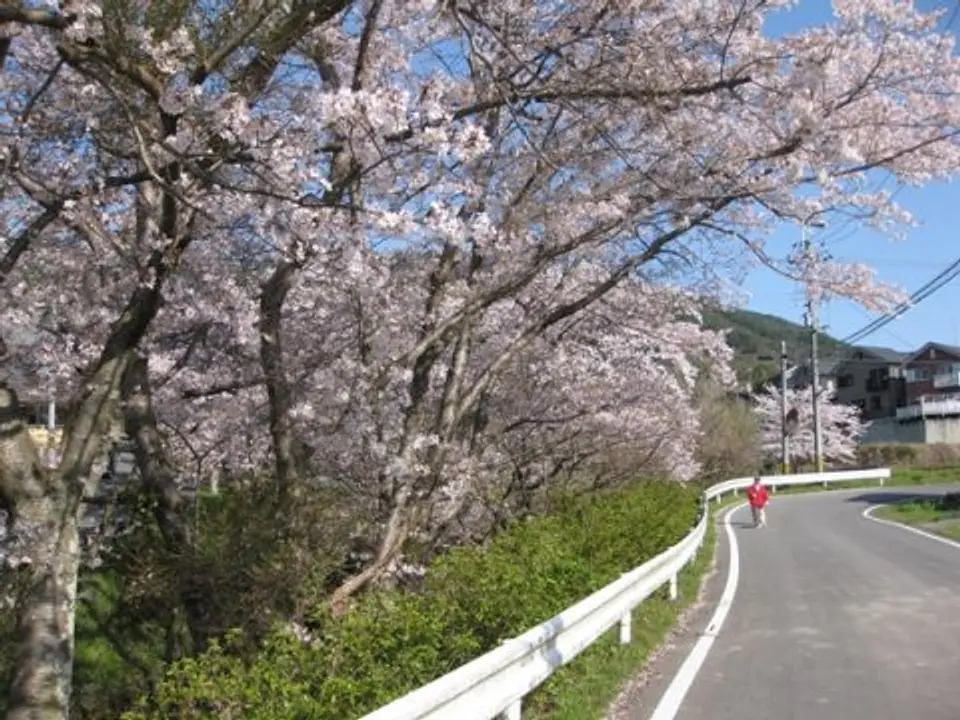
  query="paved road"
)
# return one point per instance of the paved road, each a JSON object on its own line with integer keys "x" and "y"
{"x": 835, "y": 617}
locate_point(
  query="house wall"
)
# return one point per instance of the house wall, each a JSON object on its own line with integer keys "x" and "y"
{"x": 942, "y": 430}
{"x": 884, "y": 431}
{"x": 875, "y": 403}
{"x": 927, "y": 431}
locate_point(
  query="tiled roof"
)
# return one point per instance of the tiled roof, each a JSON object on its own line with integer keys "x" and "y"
{"x": 882, "y": 353}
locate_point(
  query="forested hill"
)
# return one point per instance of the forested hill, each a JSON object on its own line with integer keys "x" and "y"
{"x": 756, "y": 337}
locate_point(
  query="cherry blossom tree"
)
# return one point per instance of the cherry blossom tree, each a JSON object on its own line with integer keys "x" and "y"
{"x": 572, "y": 394}
{"x": 841, "y": 425}
{"x": 277, "y": 222}
{"x": 577, "y": 402}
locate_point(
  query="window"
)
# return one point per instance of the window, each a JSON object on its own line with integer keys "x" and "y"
{"x": 876, "y": 402}
{"x": 845, "y": 381}
{"x": 918, "y": 374}
{"x": 879, "y": 379}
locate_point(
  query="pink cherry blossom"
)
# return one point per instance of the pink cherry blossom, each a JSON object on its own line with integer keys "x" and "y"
{"x": 841, "y": 426}
{"x": 438, "y": 257}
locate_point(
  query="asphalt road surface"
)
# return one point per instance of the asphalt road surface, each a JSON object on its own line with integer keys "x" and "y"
{"x": 835, "y": 617}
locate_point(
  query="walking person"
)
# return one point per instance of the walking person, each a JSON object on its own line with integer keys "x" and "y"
{"x": 758, "y": 496}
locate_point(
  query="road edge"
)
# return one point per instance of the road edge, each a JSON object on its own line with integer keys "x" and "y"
{"x": 669, "y": 704}
{"x": 692, "y": 620}
{"x": 868, "y": 514}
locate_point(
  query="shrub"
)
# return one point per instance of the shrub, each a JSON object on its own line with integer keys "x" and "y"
{"x": 950, "y": 502}
{"x": 934, "y": 455}
{"x": 471, "y": 600}
{"x": 248, "y": 565}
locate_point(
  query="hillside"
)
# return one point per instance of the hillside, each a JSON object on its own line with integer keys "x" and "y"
{"x": 756, "y": 337}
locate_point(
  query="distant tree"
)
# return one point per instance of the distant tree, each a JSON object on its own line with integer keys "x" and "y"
{"x": 729, "y": 443}
{"x": 841, "y": 426}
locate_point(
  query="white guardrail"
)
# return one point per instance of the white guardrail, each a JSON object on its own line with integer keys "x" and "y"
{"x": 494, "y": 685}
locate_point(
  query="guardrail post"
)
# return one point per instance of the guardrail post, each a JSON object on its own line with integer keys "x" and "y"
{"x": 673, "y": 586}
{"x": 882, "y": 480}
{"x": 512, "y": 712}
{"x": 626, "y": 629}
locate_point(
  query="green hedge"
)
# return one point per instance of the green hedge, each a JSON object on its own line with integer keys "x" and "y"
{"x": 472, "y": 599}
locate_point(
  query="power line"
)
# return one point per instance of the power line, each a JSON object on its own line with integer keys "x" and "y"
{"x": 874, "y": 325}
{"x": 922, "y": 293}
{"x": 898, "y": 340}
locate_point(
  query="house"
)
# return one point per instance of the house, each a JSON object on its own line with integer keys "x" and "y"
{"x": 933, "y": 371}
{"x": 931, "y": 411}
{"x": 873, "y": 379}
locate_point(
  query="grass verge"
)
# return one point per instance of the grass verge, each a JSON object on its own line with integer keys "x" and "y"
{"x": 924, "y": 476}
{"x": 587, "y": 687}
{"x": 939, "y": 515}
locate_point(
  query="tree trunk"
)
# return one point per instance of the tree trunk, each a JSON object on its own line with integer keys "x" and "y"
{"x": 156, "y": 472}
{"x": 396, "y": 534}
{"x": 40, "y": 521}
{"x": 279, "y": 392}
{"x": 43, "y": 669}
{"x": 159, "y": 479}
{"x": 49, "y": 502}
{"x": 397, "y": 493}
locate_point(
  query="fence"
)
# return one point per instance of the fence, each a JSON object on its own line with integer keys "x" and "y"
{"x": 494, "y": 685}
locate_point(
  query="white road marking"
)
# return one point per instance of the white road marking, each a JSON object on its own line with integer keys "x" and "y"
{"x": 868, "y": 514}
{"x": 669, "y": 704}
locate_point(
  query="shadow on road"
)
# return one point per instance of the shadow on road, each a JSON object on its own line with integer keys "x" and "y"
{"x": 893, "y": 497}
{"x": 739, "y": 524}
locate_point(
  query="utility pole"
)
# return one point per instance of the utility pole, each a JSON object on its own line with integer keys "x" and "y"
{"x": 784, "y": 435}
{"x": 813, "y": 318}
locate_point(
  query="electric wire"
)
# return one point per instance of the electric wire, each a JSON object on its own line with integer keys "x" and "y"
{"x": 943, "y": 278}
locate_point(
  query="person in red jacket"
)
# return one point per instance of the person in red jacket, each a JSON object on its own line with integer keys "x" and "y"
{"x": 758, "y": 496}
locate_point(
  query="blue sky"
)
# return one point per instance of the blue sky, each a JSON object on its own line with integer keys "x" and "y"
{"x": 909, "y": 263}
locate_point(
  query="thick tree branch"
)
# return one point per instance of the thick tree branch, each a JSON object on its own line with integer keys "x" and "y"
{"x": 15, "y": 13}
{"x": 227, "y": 388}
{"x": 369, "y": 28}
{"x": 305, "y": 14}
{"x": 20, "y": 244}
